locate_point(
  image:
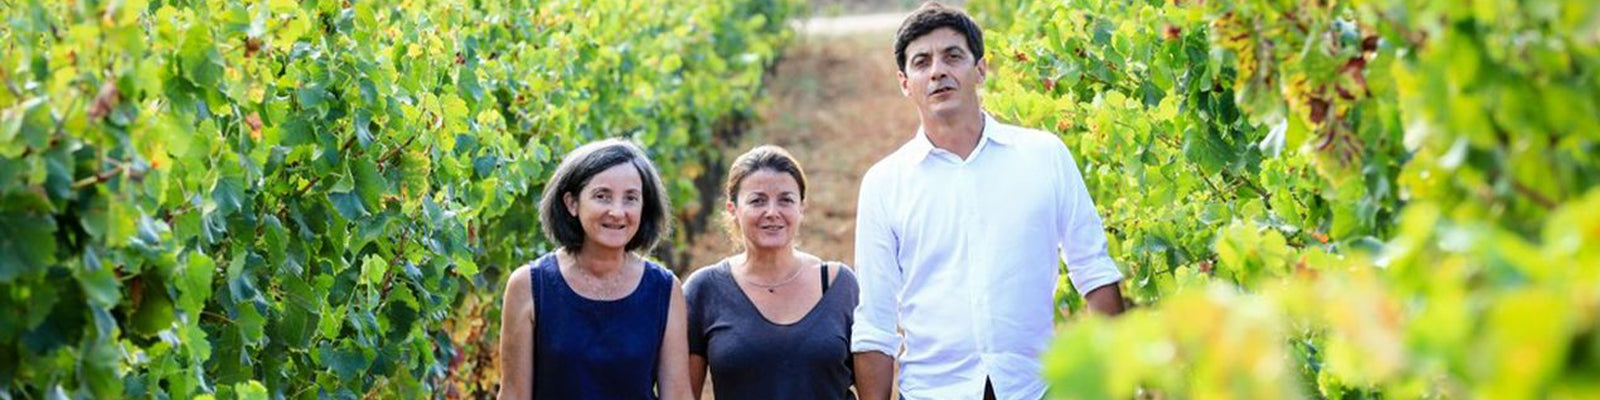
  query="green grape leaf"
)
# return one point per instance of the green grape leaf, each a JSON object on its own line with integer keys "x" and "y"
{"x": 251, "y": 390}
{"x": 345, "y": 360}
{"x": 101, "y": 286}
{"x": 229, "y": 194}
{"x": 370, "y": 184}
{"x": 27, "y": 244}
{"x": 251, "y": 323}
{"x": 348, "y": 205}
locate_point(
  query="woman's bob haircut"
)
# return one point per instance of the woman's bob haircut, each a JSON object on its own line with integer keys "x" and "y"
{"x": 581, "y": 165}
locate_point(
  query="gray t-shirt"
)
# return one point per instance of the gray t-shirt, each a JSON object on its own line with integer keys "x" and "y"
{"x": 751, "y": 357}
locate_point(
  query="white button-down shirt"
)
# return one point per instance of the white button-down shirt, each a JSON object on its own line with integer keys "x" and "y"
{"x": 963, "y": 256}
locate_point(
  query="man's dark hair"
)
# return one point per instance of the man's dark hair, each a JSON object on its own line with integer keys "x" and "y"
{"x": 930, "y": 17}
{"x": 575, "y": 172}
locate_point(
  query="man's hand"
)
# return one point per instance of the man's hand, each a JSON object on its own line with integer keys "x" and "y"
{"x": 874, "y": 375}
{"x": 1106, "y": 300}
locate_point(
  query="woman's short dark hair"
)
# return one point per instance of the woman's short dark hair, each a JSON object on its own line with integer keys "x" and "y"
{"x": 930, "y": 17}
{"x": 575, "y": 172}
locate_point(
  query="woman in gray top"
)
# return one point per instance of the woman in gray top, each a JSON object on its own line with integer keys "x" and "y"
{"x": 772, "y": 322}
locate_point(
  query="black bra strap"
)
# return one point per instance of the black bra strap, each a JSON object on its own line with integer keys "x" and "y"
{"x": 824, "y": 277}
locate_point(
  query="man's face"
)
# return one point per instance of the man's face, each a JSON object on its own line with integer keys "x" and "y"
{"x": 941, "y": 76}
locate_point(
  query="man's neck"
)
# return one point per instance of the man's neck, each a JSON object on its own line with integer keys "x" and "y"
{"x": 956, "y": 133}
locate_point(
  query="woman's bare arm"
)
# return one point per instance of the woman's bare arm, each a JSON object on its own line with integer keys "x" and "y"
{"x": 673, "y": 373}
{"x": 516, "y": 337}
{"x": 697, "y": 375}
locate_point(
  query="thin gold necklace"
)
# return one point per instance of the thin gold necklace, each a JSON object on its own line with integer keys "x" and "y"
{"x": 773, "y": 288}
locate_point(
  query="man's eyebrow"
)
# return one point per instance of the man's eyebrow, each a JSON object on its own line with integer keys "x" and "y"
{"x": 954, "y": 48}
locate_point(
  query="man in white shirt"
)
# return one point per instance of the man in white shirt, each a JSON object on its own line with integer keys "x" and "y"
{"x": 960, "y": 234}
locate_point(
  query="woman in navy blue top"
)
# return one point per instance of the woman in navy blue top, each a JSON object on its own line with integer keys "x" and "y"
{"x": 594, "y": 320}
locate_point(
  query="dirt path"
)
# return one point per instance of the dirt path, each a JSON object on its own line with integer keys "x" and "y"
{"x": 834, "y": 103}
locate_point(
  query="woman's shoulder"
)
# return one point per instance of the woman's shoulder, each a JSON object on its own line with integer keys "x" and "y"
{"x": 523, "y": 277}
{"x": 837, "y": 270}
{"x": 704, "y": 273}
{"x": 657, "y": 271}
{"x": 843, "y": 275}
{"x": 842, "y": 271}
{"x": 519, "y": 284}
{"x": 657, "y": 279}
{"x": 544, "y": 261}
{"x": 704, "y": 278}
{"x": 520, "y": 277}
{"x": 525, "y": 272}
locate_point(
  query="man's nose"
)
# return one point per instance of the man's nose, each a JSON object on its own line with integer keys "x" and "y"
{"x": 939, "y": 71}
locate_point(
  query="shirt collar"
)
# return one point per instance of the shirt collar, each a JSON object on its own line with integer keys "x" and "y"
{"x": 992, "y": 131}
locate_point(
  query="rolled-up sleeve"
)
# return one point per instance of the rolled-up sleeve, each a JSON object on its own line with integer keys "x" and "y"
{"x": 1081, "y": 237}
{"x": 876, "y": 315}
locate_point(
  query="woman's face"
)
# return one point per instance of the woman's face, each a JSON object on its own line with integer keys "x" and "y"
{"x": 609, "y": 207}
{"x": 768, "y": 209}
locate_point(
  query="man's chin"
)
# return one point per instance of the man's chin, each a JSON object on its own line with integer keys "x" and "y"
{"x": 947, "y": 108}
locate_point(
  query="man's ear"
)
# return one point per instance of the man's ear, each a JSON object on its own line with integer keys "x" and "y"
{"x": 905, "y": 86}
{"x": 983, "y": 70}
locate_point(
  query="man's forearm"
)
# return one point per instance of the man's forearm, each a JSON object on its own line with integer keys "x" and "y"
{"x": 874, "y": 375}
{"x": 1105, "y": 300}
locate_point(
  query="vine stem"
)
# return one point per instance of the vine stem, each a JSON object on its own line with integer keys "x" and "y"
{"x": 214, "y": 314}
{"x": 315, "y": 179}
{"x": 100, "y": 177}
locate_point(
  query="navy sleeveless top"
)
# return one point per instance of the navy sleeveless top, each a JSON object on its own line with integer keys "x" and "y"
{"x": 597, "y": 349}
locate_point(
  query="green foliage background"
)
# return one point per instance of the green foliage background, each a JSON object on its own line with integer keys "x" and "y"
{"x": 317, "y": 199}
{"x": 1325, "y": 198}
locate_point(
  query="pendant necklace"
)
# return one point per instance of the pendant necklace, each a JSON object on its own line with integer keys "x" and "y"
{"x": 773, "y": 288}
